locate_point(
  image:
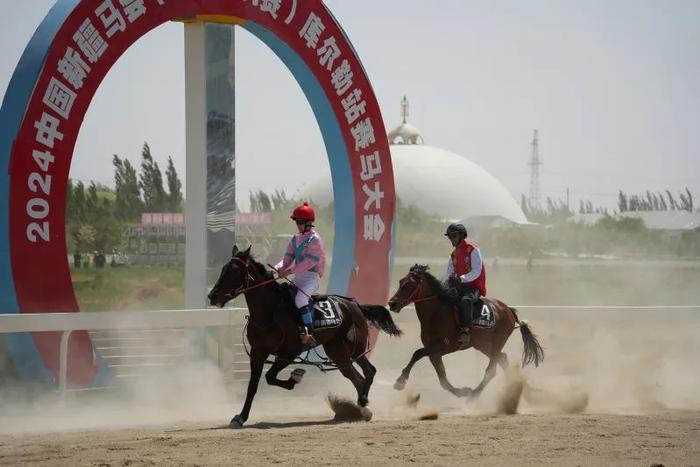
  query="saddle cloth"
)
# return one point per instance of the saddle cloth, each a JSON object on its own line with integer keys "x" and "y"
{"x": 327, "y": 313}
{"x": 483, "y": 315}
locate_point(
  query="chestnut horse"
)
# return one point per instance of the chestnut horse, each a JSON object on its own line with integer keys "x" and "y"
{"x": 273, "y": 329}
{"x": 435, "y": 308}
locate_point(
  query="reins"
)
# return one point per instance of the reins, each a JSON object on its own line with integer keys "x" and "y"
{"x": 416, "y": 291}
{"x": 248, "y": 278}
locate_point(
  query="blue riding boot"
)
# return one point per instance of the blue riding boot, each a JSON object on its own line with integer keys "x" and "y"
{"x": 306, "y": 335}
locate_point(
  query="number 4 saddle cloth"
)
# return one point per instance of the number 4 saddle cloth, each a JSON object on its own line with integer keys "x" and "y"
{"x": 483, "y": 315}
{"x": 327, "y": 313}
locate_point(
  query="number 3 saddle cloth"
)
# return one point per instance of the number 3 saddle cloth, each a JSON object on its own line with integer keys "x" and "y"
{"x": 327, "y": 313}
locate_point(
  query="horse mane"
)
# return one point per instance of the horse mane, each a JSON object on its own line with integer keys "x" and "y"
{"x": 262, "y": 270}
{"x": 265, "y": 274}
{"x": 433, "y": 282}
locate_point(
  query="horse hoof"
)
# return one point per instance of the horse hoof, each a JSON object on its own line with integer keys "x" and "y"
{"x": 400, "y": 384}
{"x": 362, "y": 401}
{"x": 236, "y": 422}
{"x": 297, "y": 375}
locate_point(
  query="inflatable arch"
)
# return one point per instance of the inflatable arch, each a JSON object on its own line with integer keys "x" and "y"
{"x": 47, "y": 98}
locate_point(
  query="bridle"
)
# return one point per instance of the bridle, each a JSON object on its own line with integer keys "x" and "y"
{"x": 248, "y": 280}
{"x": 420, "y": 281}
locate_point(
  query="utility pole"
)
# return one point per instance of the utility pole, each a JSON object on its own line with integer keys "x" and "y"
{"x": 535, "y": 173}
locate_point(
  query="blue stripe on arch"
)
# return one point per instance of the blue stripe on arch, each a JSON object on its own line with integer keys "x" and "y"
{"x": 344, "y": 199}
{"x": 25, "y": 357}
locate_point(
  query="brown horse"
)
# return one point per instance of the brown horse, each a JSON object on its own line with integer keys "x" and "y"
{"x": 435, "y": 308}
{"x": 273, "y": 323}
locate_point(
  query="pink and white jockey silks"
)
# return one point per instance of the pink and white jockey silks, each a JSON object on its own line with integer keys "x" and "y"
{"x": 306, "y": 259}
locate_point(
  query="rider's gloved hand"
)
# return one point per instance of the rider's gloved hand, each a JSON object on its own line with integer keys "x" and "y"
{"x": 283, "y": 274}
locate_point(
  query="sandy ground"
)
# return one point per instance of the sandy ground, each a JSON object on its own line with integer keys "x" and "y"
{"x": 615, "y": 389}
{"x": 670, "y": 438}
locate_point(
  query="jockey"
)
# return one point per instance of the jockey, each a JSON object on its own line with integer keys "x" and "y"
{"x": 305, "y": 259}
{"x": 467, "y": 274}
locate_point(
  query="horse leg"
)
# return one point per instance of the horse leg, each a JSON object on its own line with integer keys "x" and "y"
{"x": 340, "y": 355}
{"x": 257, "y": 361}
{"x": 417, "y": 355}
{"x": 436, "y": 360}
{"x": 369, "y": 371}
{"x": 488, "y": 374}
{"x": 271, "y": 375}
{"x": 503, "y": 361}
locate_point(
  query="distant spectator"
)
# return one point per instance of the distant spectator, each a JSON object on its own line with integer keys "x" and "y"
{"x": 77, "y": 259}
{"x": 495, "y": 264}
{"x": 528, "y": 263}
{"x": 100, "y": 259}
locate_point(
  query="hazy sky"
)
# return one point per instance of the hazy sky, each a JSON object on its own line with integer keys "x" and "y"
{"x": 612, "y": 86}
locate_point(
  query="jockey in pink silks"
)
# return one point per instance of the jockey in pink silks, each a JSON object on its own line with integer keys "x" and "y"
{"x": 305, "y": 259}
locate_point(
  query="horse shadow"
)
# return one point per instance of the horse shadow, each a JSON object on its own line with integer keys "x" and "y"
{"x": 277, "y": 425}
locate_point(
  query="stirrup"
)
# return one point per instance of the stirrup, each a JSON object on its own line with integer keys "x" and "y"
{"x": 307, "y": 339}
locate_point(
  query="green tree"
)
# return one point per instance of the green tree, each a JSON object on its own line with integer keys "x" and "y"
{"x": 174, "y": 188}
{"x": 264, "y": 202}
{"x": 78, "y": 203}
{"x": 91, "y": 203}
{"x": 671, "y": 201}
{"x": 254, "y": 205}
{"x": 128, "y": 205}
{"x": 151, "y": 182}
{"x": 621, "y": 201}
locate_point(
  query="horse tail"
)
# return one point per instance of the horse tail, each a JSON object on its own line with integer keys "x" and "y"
{"x": 533, "y": 351}
{"x": 380, "y": 317}
{"x": 515, "y": 314}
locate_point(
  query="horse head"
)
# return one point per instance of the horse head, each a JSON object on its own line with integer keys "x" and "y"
{"x": 412, "y": 286}
{"x": 233, "y": 278}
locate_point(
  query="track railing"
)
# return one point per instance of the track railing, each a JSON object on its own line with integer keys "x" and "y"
{"x": 66, "y": 323}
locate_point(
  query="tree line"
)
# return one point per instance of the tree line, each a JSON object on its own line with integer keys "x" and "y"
{"x": 94, "y": 214}
{"x": 556, "y": 210}
{"x": 661, "y": 201}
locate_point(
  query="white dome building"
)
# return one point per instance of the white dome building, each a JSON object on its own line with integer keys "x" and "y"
{"x": 440, "y": 182}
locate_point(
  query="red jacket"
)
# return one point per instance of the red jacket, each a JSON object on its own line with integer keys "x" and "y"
{"x": 462, "y": 264}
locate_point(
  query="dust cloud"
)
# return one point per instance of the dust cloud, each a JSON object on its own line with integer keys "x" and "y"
{"x": 597, "y": 360}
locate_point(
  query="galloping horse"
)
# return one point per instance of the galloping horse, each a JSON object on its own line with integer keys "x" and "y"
{"x": 272, "y": 329}
{"x": 435, "y": 308}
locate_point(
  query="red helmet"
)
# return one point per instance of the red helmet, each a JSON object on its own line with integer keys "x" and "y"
{"x": 303, "y": 212}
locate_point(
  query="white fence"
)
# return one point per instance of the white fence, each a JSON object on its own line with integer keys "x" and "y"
{"x": 197, "y": 318}
{"x": 115, "y": 320}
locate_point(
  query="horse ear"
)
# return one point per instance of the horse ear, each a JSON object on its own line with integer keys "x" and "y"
{"x": 234, "y": 251}
{"x": 247, "y": 251}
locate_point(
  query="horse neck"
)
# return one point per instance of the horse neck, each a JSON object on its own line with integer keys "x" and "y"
{"x": 426, "y": 309}
{"x": 427, "y": 304}
{"x": 262, "y": 301}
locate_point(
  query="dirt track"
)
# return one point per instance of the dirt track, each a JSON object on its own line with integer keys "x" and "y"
{"x": 671, "y": 438}
{"x": 614, "y": 390}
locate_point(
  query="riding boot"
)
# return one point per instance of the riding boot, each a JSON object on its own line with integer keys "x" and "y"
{"x": 306, "y": 334}
{"x": 465, "y": 321}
